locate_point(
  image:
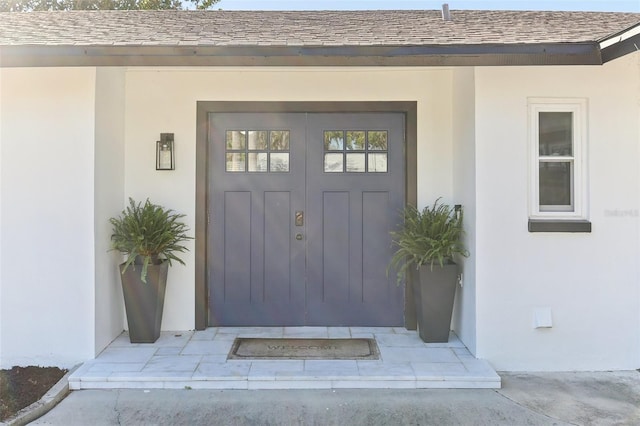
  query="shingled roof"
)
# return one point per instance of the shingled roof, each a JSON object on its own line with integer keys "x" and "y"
{"x": 419, "y": 37}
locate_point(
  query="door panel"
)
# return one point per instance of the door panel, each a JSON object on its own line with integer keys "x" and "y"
{"x": 277, "y": 259}
{"x": 374, "y": 227}
{"x": 237, "y": 222}
{"x": 344, "y": 174}
{"x": 335, "y": 249}
{"x": 255, "y": 265}
{"x": 350, "y": 215}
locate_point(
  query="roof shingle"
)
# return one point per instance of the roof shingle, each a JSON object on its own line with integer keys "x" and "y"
{"x": 306, "y": 28}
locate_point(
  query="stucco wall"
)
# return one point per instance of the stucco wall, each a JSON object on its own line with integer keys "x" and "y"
{"x": 164, "y": 100}
{"x": 464, "y": 188}
{"x": 590, "y": 281}
{"x": 46, "y": 175}
{"x": 75, "y": 143}
{"x": 1, "y": 134}
{"x": 109, "y": 199}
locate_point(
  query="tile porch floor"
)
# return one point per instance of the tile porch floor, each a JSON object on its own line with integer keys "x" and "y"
{"x": 198, "y": 360}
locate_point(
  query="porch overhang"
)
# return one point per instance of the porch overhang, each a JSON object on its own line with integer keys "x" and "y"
{"x": 583, "y": 53}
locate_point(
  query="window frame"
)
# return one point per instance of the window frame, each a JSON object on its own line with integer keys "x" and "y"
{"x": 578, "y": 159}
{"x": 345, "y": 151}
{"x": 247, "y": 151}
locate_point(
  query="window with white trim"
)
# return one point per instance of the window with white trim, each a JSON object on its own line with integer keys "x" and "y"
{"x": 558, "y": 143}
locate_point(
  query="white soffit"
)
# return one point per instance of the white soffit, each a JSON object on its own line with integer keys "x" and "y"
{"x": 631, "y": 32}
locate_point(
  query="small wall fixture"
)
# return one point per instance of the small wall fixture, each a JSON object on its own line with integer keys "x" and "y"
{"x": 165, "y": 154}
{"x": 542, "y": 318}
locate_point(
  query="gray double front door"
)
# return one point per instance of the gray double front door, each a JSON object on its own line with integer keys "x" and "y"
{"x": 300, "y": 208}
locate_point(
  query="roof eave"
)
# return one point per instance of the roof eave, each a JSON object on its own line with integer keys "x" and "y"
{"x": 587, "y": 53}
{"x": 620, "y": 44}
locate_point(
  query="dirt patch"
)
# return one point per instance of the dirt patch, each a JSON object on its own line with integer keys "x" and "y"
{"x": 22, "y": 386}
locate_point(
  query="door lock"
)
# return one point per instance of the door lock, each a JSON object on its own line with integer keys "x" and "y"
{"x": 299, "y": 218}
{"x": 299, "y": 237}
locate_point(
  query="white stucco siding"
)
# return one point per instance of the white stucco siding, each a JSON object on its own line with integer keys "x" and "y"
{"x": 109, "y": 195}
{"x": 46, "y": 174}
{"x": 75, "y": 143}
{"x": 164, "y": 100}
{"x": 590, "y": 281}
{"x": 464, "y": 187}
{"x": 1, "y": 133}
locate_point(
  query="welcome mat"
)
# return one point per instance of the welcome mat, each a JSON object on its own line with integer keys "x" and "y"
{"x": 254, "y": 348}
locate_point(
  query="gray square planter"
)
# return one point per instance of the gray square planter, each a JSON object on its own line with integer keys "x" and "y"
{"x": 144, "y": 302}
{"x": 434, "y": 294}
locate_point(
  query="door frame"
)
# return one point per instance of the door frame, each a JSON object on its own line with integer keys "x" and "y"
{"x": 204, "y": 108}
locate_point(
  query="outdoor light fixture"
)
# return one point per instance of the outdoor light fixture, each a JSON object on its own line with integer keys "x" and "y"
{"x": 165, "y": 157}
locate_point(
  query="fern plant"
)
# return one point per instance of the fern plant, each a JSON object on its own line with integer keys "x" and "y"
{"x": 148, "y": 232}
{"x": 433, "y": 235}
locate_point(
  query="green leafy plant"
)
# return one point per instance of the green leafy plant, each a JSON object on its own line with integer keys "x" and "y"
{"x": 433, "y": 235}
{"x": 149, "y": 233}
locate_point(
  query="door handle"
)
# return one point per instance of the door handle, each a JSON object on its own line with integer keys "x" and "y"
{"x": 299, "y": 218}
{"x": 299, "y": 237}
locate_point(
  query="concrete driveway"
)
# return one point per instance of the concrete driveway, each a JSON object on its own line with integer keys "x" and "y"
{"x": 611, "y": 398}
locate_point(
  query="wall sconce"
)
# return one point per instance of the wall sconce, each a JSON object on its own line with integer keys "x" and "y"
{"x": 165, "y": 156}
